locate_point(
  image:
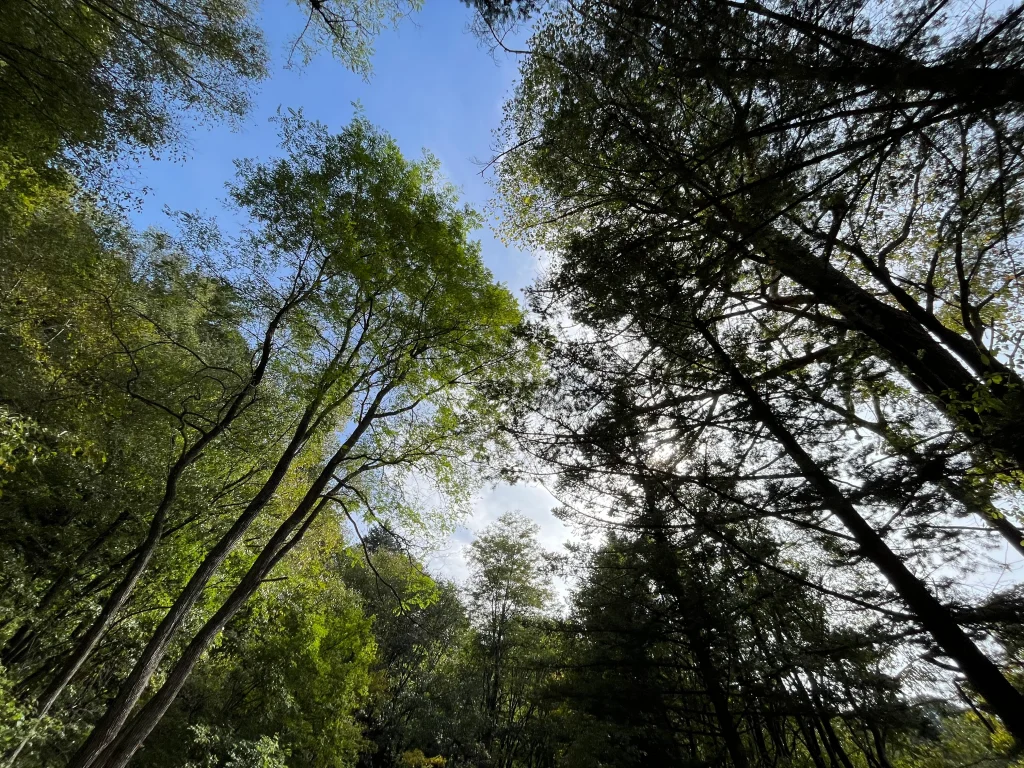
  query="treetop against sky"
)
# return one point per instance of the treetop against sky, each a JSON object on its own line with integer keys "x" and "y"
{"x": 433, "y": 87}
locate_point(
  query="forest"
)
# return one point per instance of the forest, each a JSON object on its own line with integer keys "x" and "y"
{"x": 769, "y": 364}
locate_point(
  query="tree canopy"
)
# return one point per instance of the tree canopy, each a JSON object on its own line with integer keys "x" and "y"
{"x": 769, "y": 367}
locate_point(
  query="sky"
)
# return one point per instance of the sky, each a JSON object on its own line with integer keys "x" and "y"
{"x": 434, "y": 86}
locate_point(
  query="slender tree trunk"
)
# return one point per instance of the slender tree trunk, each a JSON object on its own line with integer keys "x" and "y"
{"x": 110, "y": 726}
{"x": 145, "y": 667}
{"x": 120, "y": 750}
{"x": 757, "y": 729}
{"x": 983, "y": 509}
{"x": 910, "y": 341}
{"x": 890, "y": 70}
{"x": 984, "y": 675}
{"x": 832, "y": 741}
{"x": 113, "y": 604}
{"x": 718, "y": 696}
{"x": 1010, "y": 532}
{"x": 694, "y": 626}
{"x": 811, "y": 741}
{"x": 778, "y": 735}
{"x": 930, "y": 355}
{"x": 986, "y": 87}
{"x": 880, "y": 751}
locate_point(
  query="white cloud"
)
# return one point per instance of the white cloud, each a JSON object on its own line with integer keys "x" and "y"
{"x": 531, "y": 499}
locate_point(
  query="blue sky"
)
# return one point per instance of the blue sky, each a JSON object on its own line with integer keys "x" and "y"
{"x": 435, "y": 87}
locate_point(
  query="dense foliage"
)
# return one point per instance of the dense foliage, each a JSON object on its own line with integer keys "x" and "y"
{"x": 784, "y": 302}
{"x": 771, "y": 370}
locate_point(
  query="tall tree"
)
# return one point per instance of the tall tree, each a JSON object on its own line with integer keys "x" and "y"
{"x": 761, "y": 247}
{"x": 385, "y": 360}
{"x": 808, "y": 159}
{"x": 689, "y": 654}
{"x": 508, "y": 592}
{"x": 653, "y": 396}
{"x": 406, "y": 334}
{"x": 420, "y": 629}
{"x": 289, "y": 676}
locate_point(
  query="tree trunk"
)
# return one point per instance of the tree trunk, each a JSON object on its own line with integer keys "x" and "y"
{"x": 909, "y": 340}
{"x": 107, "y": 731}
{"x": 983, "y": 674}
{"x": 908, "y": 344}
{"x": 694, "y": 627}
{"x": 119, "y": 752}
{"x": 888, "y": 69}
{"x": 1013, "y": 535}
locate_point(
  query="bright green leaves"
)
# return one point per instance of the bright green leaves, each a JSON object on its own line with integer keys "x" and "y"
{"x": 340, "y": 355}
{"x": 286, "y": 680}
{"x": 116, "y": 73}
{"x": 395, "y": 301}
{"x": 510, "y": 583}
{"x": 386, "y": 229}
{"x": 84, "y": 83}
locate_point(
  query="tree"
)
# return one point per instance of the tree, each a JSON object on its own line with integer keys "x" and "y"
{"x": 406, "y": 334}
{"x": 799, "y": 691}
{"x": 420, "y": 629}
{"x": 107, "y": 327}
{"x": 662, "y": 400}
{"x": 778, "y": 164}
{"x": 508, "y": 591}
{"x": 741, "y": 270}
{"x": 360, "y": 320}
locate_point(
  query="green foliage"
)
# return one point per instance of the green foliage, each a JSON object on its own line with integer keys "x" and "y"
{"x": 84, "y": 83}
{"x": 509, "y": 584}
{"x": 347, "y": 29}
{"x": 286, "y": 680}
{"x": 81, "y": 81}
{"x": 226, "y": 750}
{"x": 956, "y": 739}
{"x": 401, "y": 284}
{"x": 758, "y": 291}
{"x": 366, "y": 359}
{"x": 419, "y": 627}
{"x": 12, "y": 715}
{"x": 416, "y": 759}
{"x": 727, "y": 203}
